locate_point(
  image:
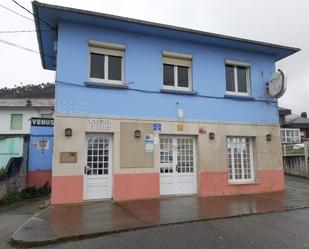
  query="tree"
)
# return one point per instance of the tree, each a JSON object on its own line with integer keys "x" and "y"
{"x": 43, "y": 90}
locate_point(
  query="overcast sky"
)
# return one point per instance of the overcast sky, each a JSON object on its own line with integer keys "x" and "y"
{"x": 277, "y": 21}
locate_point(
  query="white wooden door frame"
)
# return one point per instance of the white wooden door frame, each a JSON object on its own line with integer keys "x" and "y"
{"x": 173, "y": 180}
{"x": 110, "y": 167}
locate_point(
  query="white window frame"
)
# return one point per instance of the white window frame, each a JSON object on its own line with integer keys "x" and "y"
{"x": 236, "y": 64}
{"x": 252, "y": 168}
{"x": 106, "y": 49}
{"x": 290, "y": 136}
{"x": 22, "y": 121}
{"x": 46, "y": 113}
{"x": 177, "y": 59}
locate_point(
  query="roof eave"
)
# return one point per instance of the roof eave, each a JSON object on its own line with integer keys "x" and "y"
{"x": 36, "y": 5}
{"x": 38, "y": 32}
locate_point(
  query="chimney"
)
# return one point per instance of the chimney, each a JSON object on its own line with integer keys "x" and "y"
{"x": 28, "y": 103}
{"x": 303, "y": 114}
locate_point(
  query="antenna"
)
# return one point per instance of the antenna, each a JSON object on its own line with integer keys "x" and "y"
{"x": 277, "y": 84}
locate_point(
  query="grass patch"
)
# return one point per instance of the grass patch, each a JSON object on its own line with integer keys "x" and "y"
{"x": 27, "y": 193}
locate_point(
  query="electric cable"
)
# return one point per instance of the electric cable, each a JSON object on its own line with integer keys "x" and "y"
{"x": 24, "y": 48}
{"x": 4, "y": 7}
{"x": 41, "y": 19}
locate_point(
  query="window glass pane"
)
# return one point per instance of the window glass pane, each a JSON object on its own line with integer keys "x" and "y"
{"x": 229, "y": 75}
{"x": 240, "y": 167}
{"x": 183, "y": 76}
{"x": 242, "y": 79}
{"x": 16, "y": 121}
{"x": 96, "y": 65}
{"x": 46, "y": 115}
{"x": 168, "y": 75}
{"x": 114, "y": 67}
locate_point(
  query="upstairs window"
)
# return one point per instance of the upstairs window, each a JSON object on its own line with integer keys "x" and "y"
{"x": 16, "y": 121}
{"x": 106, "y": 62}
{"x": 237, "y": 76}
{"x": 290, "y": 136}
{"x": 177, "y": 71}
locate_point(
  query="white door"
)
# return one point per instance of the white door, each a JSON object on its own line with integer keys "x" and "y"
{"x": 98, "y": 175}
{"x": 177, "y": 165}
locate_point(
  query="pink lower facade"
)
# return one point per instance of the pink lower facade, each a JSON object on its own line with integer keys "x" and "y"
{"x": 136, "y": 186}
{"x": 39, "y": 178}
{"x": 216, "y": 183}
{"x": 69, "y": 189}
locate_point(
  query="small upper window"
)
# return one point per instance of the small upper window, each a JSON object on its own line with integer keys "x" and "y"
{"x": 16, "y": 121}
{"x": 177, "y": 70}
{"x": 237, "y": 76}
{"x": 106, "y": 62}
{"x": 46, "y": 115}
{"x": 290, "y": 136}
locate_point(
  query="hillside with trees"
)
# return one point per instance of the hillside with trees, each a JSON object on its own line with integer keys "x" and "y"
{"x": 43, "y": 90}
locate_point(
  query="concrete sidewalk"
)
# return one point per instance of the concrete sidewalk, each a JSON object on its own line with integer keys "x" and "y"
{"x": 70, "y": 222}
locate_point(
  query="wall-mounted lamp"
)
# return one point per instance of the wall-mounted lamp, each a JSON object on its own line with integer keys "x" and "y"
{"x": 268, "y": 137}
{"x": 212, "y": 135}
{"x": 68, "y": 132}
{"x": 137, "y": 133}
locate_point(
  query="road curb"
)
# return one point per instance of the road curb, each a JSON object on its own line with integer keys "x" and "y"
{"x": 15, "y": 241}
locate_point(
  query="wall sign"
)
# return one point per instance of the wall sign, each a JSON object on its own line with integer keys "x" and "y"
{"x": 99, "y": 124}
{"x": 157, "y": 127}
{"x": 42, "y": 122}
{"x": 149, "y": 138}
{"x": 202, "y": 130}
{"x": 42, "y": 144}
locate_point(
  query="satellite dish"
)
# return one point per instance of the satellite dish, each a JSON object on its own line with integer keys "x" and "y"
{"x": 276, "y": 85}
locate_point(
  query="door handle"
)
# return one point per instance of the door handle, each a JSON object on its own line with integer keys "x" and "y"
{"x": 86, "y": 168}
{"x": 177, "y": 168}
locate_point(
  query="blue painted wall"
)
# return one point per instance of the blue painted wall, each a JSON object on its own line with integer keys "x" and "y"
{"x": 38, "y": 159}
{"x": 143, "y": 66}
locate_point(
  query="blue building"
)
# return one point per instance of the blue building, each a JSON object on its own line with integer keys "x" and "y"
{"x": 40, "y": 152}
{"x": 146, "y": 109}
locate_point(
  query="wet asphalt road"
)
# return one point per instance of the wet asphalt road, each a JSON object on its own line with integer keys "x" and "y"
{"x": 285, "y": 230}
{"x": 12, "y": 216}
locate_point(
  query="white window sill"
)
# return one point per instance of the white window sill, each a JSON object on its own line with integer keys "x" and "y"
{"x": 106, "y": 85}
{"x": 244, "y": 183}
{"x": 238, "y": 96}
{"x": 177, "y": 91}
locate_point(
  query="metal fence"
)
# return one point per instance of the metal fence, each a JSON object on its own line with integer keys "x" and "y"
{"x": 296, "y": 159}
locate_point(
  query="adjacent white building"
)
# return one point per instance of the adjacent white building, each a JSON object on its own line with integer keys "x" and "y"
{"x": 15, "y": 114}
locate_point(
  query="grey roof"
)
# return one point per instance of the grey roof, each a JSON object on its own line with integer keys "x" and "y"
{"x": 27, "y": 103}
{"x": 284, "y": 111}
{"x": 298, "y": 122}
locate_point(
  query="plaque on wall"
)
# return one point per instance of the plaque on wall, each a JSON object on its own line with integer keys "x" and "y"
{"x": 99, "y": 124}
{"x": 68, "y": 157}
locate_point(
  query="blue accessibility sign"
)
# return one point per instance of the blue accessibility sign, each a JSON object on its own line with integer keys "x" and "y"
{"x": 157, "y": 127}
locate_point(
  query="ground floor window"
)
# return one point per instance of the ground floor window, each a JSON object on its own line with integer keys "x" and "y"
{"x": 240, "y": 159}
